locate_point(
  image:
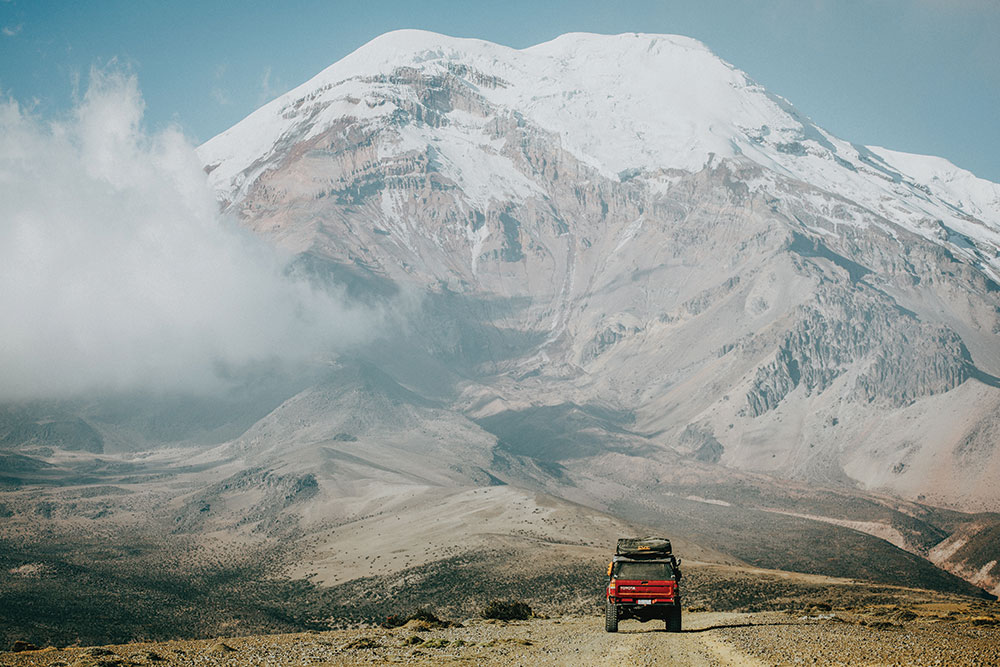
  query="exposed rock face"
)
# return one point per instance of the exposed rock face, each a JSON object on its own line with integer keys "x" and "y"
{"x": 703, "y": 444}
{"x": 904, "y": 358}
{"x": 795, "y": 278}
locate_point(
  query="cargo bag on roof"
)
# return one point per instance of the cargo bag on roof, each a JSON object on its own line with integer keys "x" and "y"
{"x": 643, "y": 546}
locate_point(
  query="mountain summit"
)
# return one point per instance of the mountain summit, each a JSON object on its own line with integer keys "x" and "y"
{"x": 626, "y": 105}
{"x": 631, "y": 225}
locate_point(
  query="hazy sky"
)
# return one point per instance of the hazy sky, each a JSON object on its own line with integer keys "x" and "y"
{"x": 914, "y": 75}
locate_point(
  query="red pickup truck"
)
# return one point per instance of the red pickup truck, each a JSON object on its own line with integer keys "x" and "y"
{"x": 643, "y": 584}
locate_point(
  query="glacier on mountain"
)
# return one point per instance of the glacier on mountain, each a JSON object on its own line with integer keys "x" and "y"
{"x": 630, "y": 104}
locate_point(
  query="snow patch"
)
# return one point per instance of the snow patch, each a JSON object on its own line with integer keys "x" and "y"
{"x": 709, "y": 501}
{"x": 477, "y": 239}
{"x": 628, "y": 234}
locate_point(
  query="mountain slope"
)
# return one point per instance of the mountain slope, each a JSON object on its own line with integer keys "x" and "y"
{"x": 629, "y": 222}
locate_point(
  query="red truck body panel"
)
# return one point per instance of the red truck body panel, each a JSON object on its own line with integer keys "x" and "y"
{"x": 633, "y": 590}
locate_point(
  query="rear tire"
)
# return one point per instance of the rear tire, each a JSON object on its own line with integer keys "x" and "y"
{"x": 674, "y": 619}
{"x": 610, "y": 616}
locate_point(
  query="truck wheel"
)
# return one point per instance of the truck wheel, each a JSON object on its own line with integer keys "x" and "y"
{"x": 674, "y": 619}
{"x": 610, "y": 616}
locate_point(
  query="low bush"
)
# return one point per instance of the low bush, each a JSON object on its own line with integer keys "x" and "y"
{"x": 504, "y": 610}
{"x": 425, "y": 616}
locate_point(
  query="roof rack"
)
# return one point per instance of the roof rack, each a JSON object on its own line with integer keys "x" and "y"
{"x": 643, "y": 547}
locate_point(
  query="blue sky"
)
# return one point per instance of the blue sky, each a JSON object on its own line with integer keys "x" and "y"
{"x": 913, "y": 75}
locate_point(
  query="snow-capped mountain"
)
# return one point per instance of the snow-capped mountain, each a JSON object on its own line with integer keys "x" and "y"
{"x": 627, "y": 248}
{"x": 631, "y": 105}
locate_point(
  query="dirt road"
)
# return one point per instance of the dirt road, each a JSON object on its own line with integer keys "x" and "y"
{"x": 709, "y": 638}
{"x": 582, "y": 642}
{"x": 564, "y": 641}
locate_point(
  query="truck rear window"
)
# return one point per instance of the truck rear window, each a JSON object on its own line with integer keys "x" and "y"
{"x": 644, "y": 571}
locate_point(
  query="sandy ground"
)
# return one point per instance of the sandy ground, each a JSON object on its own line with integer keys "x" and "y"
{"x": 709, "y": 638}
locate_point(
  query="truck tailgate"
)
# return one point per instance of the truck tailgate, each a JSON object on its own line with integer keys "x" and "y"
{"x": 637, "y": 589}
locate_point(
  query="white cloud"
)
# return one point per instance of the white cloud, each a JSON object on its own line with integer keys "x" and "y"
{"x": 12, "y": 30}
{"x": 117, "y": 273}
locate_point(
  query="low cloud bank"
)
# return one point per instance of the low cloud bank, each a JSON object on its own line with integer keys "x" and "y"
{"x": 118, "y": 273}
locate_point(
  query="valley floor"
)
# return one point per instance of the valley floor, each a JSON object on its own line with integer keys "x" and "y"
{"x": 919, "y": 636}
